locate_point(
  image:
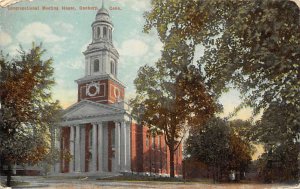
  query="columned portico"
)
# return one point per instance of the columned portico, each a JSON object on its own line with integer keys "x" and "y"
{"x": 90, "y": 132}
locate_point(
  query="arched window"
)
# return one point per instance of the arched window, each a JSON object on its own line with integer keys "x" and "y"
{"x": 110, "y": 35}
{"x": 98, "y": 32}
{"x": 112, "y": 67}
{"x": 96, "y": 65}
{"x": 104, "y": 32}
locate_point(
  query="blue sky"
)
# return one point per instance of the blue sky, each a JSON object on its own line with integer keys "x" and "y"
{"x": 66, "y": 34}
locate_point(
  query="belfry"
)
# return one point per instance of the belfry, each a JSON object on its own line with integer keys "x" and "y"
{"x": 97, "y": 133}
{"x": 100, "y": 83}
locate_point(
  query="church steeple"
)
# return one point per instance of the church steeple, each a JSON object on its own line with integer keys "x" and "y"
{"x": 100, "y": 83}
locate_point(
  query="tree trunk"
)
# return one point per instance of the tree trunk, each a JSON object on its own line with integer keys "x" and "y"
{"x": 172, "y": 171}
{"x": 9, "y": 174}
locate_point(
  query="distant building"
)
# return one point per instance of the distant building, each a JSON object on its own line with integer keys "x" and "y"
{"x": 98, "y": 131}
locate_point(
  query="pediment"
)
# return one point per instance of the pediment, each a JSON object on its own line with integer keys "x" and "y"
{"x": 88, "y": 108}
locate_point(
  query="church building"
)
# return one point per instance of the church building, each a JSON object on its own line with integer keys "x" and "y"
{"x": 98, "y": 132}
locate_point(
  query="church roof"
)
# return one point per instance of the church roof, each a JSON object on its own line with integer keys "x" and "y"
{"x": 103, "y": 11}
{"x": 89, "y": 111}
{"x": 103, "y": 16}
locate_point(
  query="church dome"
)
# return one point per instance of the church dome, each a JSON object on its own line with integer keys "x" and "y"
{"x": 103, "y": 16}
{"x": 103, "y": 11}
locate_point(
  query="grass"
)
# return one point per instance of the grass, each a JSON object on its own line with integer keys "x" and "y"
{"x": 139, "y": 178}
{"x": 16, "y": 183}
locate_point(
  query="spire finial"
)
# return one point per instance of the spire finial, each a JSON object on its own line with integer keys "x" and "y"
{"x": 103, "y": 4}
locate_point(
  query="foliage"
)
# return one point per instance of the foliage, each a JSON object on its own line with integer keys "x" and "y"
{"x": 283, "y": 149}
{"x": 243, "y": 129}
{"x": 171, "y": 96}
{"x": 27, "y": 110}
{"x": 251, "y": 44}
{"x": 217, "y": 145}
{"x": 280, "y": 120}
{"x": 279, "y": 163}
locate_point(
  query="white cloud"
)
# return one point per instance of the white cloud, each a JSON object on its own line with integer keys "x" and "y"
{"x": 56, "y": 49}
{"x": 133, "y": 47}
{"x": 62, "y": 26}
{"x": 75, "y": 64}
{"x": 5, "y": 39}
{"x": 38, "y": 31}
{"x": 158, "y": 46}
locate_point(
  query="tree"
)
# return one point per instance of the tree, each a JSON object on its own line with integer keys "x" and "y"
{"x": 251, "y": 44}
{"x": 278, "y": 130}
{"x": 244, "y": 146}
{"x": 217, "y": 145}
{"x": 27, "y": 110}
{"x": 172, "y": 96}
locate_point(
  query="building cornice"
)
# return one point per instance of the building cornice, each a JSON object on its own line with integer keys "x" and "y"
{"x": 87, "y": 79}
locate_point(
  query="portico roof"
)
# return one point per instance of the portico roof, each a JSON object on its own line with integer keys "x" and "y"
{"x": 87, "y": 111}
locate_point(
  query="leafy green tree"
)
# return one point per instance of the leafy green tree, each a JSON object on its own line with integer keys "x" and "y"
{"x": 171, "y": 96}
{"x": 278, "y": 130}
{"x": 217, "y": 145}
{"x": 27, "y": 110}
{"x": 254, "y": 45}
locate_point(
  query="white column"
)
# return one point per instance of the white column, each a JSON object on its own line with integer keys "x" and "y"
{"x": 82, "y": 148}
{"x": 100, "y": 147}
{"x": 117, "y": 146}
{"x": 128, "y": 146}
{"x": 77, "y": 149}
{"x": 123, "y": 145}
{"x": 94, "y": 147}
{"x": 71, "y": 164}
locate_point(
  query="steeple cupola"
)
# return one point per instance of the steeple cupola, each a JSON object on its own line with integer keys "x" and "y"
{"x": 102, "y": 26}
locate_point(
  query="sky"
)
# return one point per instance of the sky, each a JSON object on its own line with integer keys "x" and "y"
{"x": 65, "y": 34}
